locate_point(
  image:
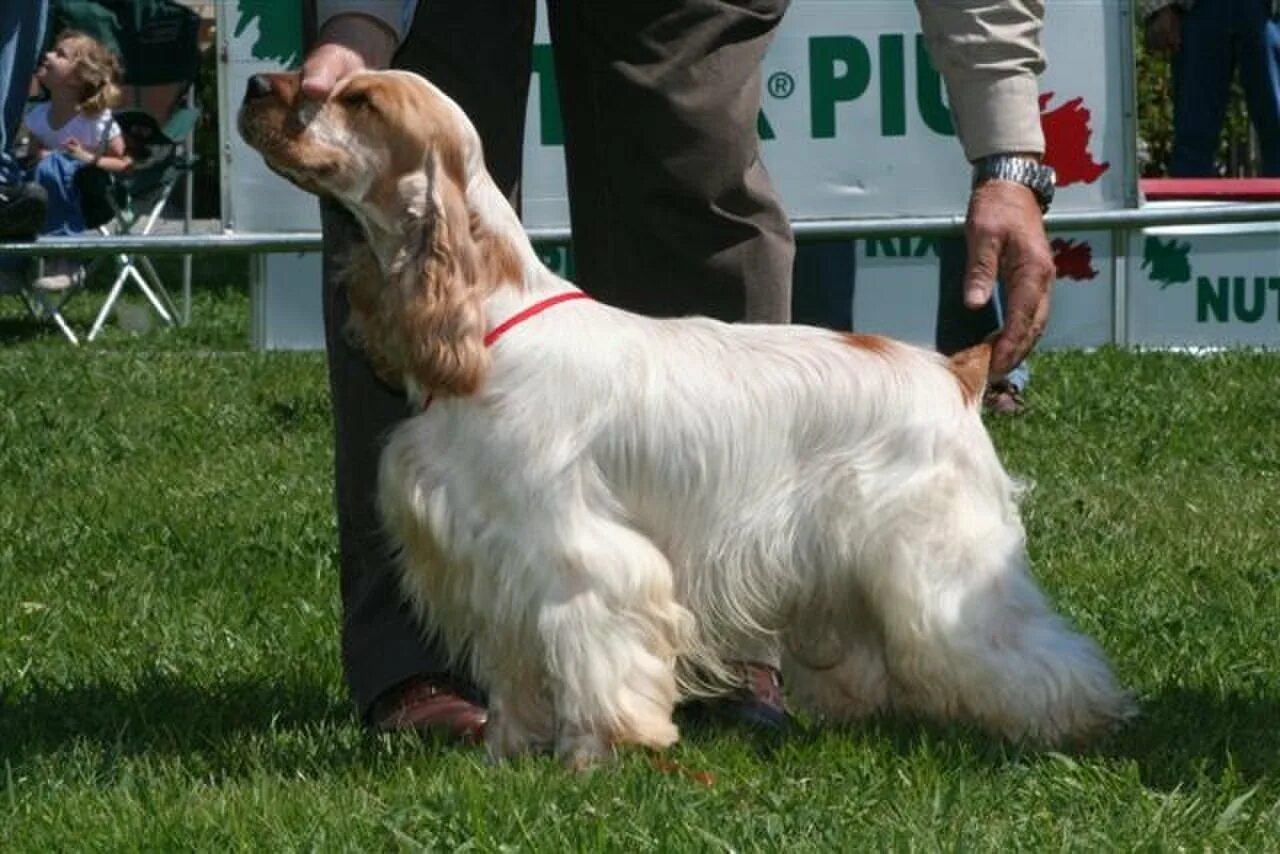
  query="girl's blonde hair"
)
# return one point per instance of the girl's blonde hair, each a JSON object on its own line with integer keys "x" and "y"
{"x": 98, "y": 69}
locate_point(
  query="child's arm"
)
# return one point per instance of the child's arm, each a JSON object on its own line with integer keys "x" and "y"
{"x": 114, "y": 159}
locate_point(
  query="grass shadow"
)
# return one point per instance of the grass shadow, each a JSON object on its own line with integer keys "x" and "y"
{"x": 161, "y": 714}
{"x": 1185, "y": 735}
{"x": 19, "y": 327}
{"x": 1181, "y": 738}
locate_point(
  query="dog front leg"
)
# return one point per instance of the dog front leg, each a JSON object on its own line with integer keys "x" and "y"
{"x": 521, "y": 717}
{"x": 611, "y": 631}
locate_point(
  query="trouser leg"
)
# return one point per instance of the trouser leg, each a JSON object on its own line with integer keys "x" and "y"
{"x": 22, "y": 26}
{"x": 672, "y": 210}
{"x": 1202, "y": 71}
{"x": 382, "y": 643}
{"x": 1259, "y": 40}
{"x": 477, "y": 51}
{"x": 823, "y": 284}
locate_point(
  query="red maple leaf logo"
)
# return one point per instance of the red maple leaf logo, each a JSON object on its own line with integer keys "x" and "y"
{"x": 1073, "y": 259}
{"x": 1066, "y": 139}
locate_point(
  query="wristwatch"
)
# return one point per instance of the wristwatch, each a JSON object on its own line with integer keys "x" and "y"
{"x": 1035, "y": 176}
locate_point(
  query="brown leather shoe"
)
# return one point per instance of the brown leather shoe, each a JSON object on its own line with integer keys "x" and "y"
{"x": 430, "y": 707}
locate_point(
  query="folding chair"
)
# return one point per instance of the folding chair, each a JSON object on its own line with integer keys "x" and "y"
{"x": 26, "y": 204}
{"x": 138, "y": 197}
{"x": 17, "y": 280}
{"x": 158, "y": 41}
{"x": 45, "y": 306}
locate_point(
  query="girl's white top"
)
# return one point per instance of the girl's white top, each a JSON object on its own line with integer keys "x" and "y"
{"x": 92, "y": 132}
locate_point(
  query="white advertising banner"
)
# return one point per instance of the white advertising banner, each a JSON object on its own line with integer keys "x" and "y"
{"x": 854, "y": 123}
{"x": 256, "y": 37}
{"x": 1205, "y": 286}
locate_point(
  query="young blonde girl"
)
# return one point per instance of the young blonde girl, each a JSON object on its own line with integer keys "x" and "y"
{"x": 73, "y": 128}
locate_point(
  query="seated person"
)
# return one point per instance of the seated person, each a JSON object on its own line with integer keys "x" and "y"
{"x": 70, "y": 130}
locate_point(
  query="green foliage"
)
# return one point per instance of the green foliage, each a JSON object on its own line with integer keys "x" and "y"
{"x": 169, "y": 673}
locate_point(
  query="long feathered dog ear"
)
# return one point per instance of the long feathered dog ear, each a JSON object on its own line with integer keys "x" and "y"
{"x": 440, "y": 311}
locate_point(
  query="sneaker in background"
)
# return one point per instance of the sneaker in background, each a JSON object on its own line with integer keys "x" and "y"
{"x": 59, "y": 275}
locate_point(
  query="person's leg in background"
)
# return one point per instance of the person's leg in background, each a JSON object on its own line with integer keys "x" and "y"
{"x": 22, "y": 202}
{"x": 1258, "y": 37}
{"x": 823, "y": 283}
{"x": 958, "y": 326}
{"x": 672, "y": 210}
{"x": 55, "y": 174}
{"x": 22, "y": 28}
{"x": 1202, "y": 71}
{"x": 478, "y": 52}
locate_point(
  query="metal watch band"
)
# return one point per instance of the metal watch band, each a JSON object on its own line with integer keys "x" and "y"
{"x": 1029, "y": 173}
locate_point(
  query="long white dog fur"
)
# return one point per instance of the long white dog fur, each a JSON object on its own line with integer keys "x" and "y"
{"x": 599, "y": 504}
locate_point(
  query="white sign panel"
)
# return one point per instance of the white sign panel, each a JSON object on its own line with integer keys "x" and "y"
{"x": 1205, "y": 286}
{"x": 256, "y": 37}
{"x": 855, "y": 122}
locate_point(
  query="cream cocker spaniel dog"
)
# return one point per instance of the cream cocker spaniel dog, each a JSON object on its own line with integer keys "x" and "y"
{"x": 591, "y": 505}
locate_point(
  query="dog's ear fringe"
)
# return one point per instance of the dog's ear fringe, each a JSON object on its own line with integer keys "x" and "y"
{"x": 427, "y": 322}
{"x": 440, "y": 315}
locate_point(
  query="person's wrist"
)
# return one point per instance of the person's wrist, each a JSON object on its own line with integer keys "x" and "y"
{"x": 1023, "y": 169}
{"x": 372, "y": 40}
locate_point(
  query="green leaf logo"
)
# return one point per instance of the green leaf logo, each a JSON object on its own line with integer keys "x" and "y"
{"x": 1167, "y": 263}
{"x": 279, "y": 29}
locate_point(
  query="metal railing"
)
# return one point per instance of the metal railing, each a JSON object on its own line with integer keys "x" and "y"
{"x": 827, "y": 229}
{"x": 1115, "y": 221}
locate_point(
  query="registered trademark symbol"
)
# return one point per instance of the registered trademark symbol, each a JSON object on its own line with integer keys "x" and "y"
{"x": 781, "y": 84}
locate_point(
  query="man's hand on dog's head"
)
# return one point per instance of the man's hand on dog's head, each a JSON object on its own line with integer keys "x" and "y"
{"x": 347, "y": 43}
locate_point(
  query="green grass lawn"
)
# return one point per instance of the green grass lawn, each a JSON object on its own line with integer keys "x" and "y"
{"x": 169, "y": 671}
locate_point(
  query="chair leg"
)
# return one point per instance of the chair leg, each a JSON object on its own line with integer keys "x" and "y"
{"x": 151, "y": 296}
{"x": 114, "y": 294}
{"x": 54, "y": 312}
{"x": 61, "y": 323}
{"x": 129, "y": 271}
{"x": 156, "y": 283}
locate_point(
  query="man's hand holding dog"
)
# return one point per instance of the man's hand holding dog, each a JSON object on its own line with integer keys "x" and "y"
{"x": 347, "y": 43}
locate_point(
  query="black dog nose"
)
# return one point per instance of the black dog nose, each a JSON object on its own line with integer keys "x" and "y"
{"x": 258, "y": 87}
